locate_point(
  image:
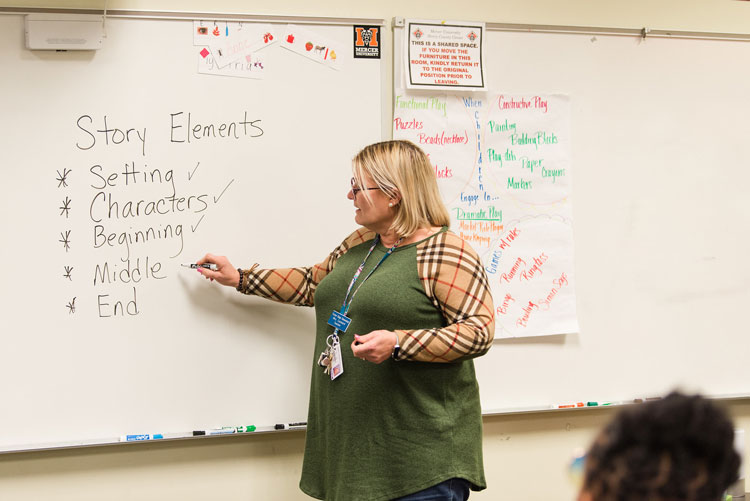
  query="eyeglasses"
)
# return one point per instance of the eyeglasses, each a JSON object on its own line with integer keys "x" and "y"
{"x": 356, "y": 190}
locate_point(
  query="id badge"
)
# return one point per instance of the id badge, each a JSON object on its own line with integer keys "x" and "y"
{"x": 339, "y": 321}
{"x": 337, "y": 364}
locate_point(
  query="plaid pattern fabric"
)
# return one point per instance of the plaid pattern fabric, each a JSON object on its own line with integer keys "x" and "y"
{"x": 452, "y": 276}
{"x": 455, "y": 281}
{"x": 297, "y": 285}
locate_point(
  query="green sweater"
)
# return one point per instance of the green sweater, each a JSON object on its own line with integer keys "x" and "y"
{"x": 381, "y": 431}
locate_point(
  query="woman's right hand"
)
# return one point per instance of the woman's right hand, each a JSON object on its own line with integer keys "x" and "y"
{"x": 225, "y": 273}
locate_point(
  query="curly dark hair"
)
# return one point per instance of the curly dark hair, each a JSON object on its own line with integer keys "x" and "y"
{"x": 676, "y": 448}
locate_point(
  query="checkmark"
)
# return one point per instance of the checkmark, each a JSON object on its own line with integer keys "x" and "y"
{"x": 191, "y": 174}
{"x": 196, "y": 224}
{"x": 216, "y": 199}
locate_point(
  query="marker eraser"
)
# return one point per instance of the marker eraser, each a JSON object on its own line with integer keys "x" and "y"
{"x": 198, "y": 433}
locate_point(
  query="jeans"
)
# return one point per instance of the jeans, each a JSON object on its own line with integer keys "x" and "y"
{"x": 454, "y": 489}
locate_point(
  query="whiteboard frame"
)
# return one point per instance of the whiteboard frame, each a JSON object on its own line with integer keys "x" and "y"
{"x": 384, "y": 119}
{"x": 398, "y": 24}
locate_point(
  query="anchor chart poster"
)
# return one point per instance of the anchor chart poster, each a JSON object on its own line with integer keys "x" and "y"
{"x": 504, "y": 171}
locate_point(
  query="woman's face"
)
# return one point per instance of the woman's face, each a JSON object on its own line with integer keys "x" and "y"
{"x": 374, "y": 214}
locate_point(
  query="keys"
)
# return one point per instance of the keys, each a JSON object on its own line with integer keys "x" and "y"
{"x": 324, "y": 360}
{"x": 330, "y": 358}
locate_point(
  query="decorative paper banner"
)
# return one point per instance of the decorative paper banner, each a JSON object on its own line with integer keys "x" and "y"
{"x": 231, "y": 42}
{"x": 205, "y": 32}
{"x": 503, "y": 167}
{"x": 242, "y": 43}
{"x": 249, "y": 66}
{"x": 311, "y": 45}
{"x": 447, "y": 55}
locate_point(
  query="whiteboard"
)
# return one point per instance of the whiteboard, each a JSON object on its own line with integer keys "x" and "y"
{"x": 660, "y": 218}
{"x": 151, "y": 347}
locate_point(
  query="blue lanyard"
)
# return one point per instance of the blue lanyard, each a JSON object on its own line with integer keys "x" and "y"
{"x": 345, "y": 306}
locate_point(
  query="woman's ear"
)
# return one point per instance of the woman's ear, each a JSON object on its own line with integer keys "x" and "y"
{"x": 396, "y": 198}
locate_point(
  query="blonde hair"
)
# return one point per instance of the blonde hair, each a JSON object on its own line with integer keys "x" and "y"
{"x": 402, "y": 168}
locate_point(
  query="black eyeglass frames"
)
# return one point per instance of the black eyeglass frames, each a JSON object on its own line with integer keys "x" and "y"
{"x": 356, "y": 190}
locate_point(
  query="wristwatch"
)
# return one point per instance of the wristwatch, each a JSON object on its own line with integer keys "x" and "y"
{"x": 396, "y": 349}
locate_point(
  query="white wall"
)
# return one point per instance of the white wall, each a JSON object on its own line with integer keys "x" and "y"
{"x": 525, "y": 454}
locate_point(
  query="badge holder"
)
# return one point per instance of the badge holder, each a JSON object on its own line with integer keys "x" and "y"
{"x": 330, "y": 358}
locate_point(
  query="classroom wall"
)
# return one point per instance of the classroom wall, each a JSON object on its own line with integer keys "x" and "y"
{"x": 525, "y": 454}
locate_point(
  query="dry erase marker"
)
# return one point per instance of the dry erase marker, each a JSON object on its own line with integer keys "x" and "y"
{"x": 141, "y": 437}
{"x": 290, "y": 426}
{"x": 226, "y": 430}
{"x": 570, "y": 406}
{"x": 208, "y": 266}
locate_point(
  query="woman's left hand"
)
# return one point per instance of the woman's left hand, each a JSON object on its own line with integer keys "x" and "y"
{"x": 375, "y": 347}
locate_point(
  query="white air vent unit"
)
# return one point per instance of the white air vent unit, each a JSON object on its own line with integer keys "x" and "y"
{"x": 64, "y": 31}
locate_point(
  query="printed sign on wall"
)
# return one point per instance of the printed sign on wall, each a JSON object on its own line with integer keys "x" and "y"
{"x": 444, "y": 55}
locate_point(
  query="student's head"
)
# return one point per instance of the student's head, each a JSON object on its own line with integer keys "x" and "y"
{"x": 676, "y": 448}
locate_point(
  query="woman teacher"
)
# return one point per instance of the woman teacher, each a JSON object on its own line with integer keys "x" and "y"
{"x": 402, "y": 306}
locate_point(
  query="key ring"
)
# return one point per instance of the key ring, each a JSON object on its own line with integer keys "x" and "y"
{"x": 332, "y": 340}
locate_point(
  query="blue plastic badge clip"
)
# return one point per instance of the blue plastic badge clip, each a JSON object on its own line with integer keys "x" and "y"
{"x": 339, "y": 321}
